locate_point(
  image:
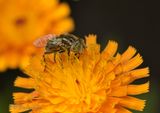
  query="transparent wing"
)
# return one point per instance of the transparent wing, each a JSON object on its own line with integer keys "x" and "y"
{"x": 42, "y": 41}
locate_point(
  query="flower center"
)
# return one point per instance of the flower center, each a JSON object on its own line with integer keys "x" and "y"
{"x": 20, "y": 21}
{"x": 77, "y": 81}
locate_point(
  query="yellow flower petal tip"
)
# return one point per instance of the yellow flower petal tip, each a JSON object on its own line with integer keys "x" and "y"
{"x": 23, "y": 22}
{"x": 95, "y": 82}
{"x": 91, "y": 40}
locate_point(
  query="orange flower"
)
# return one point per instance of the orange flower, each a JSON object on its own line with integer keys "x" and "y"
{"x": 22, "y": 21}
{"x": 96, "y": 82}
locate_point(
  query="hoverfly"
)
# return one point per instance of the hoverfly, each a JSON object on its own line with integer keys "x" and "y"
{"x": 61, "y": 43}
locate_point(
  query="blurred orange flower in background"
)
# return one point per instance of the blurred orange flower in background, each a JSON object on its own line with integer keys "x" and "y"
{"x": 22, "y": 21}
{"x": 96, "y": 82}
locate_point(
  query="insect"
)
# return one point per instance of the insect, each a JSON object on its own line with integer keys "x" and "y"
{"x": 61, "y": 43}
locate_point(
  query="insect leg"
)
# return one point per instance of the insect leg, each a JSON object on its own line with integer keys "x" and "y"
{"x": 54, "y": 57}
{"x": 77, "y": 55}
{"x": 68, "y": 51}
{"x": 45, "y": 66}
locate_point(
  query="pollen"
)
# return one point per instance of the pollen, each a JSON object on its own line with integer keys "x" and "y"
{"x": 95, "y": 82}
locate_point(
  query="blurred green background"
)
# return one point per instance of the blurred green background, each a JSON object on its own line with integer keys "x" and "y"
{"x": 126, "y": 22}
